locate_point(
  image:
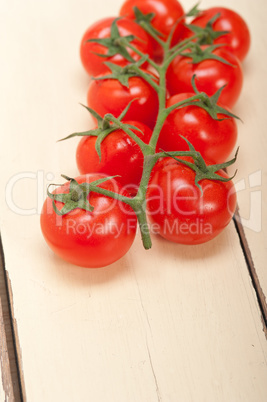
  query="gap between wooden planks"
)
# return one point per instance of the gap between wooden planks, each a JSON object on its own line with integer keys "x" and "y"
{"x": 261, "y": 298}
{"x": 12, "y": 384}
{"x": 10, "y": 372}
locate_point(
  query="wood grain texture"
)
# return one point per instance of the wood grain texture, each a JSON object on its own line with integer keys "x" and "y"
{"x": 9, "y": 379}
{"x": 252, "y": 172}
{"x": 173, "y": 323}
{"x": 6, "y": 386}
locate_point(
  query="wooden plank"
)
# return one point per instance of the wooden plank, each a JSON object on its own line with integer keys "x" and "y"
{"x": 174, "y": 323}
{"x": 252, "y": 171}
{"x": 186, "y": 314}
{"x": 9, "y": 379}
{"x": 6, "y": 386}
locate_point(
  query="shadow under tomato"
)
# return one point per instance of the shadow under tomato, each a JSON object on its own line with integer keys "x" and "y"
{"x": 84, "y": 277}
{"x": 210, "y": 250}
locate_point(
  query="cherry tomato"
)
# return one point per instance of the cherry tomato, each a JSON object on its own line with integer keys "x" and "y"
{"x": 90, "y": 239}
{"x": 177, "y": 209}
{"x": 94, "y": 64}
{"x": 167, "y": 13}
{"x": 214, "y": 139}
{"x": 237, "y": 40}
{"x": 110, "y": 96}
{"x": 120, "y": 155}
{"x": 210, "y": 76}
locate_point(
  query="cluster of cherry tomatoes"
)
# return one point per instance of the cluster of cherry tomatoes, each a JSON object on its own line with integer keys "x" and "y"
{"x": 160, "y": 86}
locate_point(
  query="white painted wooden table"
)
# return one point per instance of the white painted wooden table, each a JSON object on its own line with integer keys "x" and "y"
{"x": 171, "y": 324}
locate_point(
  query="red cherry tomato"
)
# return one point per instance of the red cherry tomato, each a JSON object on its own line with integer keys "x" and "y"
{"x": 90, "y": 239}
{"x": 177, "y": 209}
{"x": 237, "y": 40}
{"x": 94, "y": 64}
{"x": 110, "y": 96}
{"x": 214, "y": 139}
{"x": 210, "y": 76}
{"x": 120, "y": 155}
{"x": 167, "y": 13}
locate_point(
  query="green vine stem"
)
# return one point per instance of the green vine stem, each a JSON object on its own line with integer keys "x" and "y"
{"x": 109, "y": 123}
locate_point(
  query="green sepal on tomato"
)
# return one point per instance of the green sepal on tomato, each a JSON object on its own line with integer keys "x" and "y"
{"x": 213, "y": 138}
{"x": 218, "y": 68}
{"x": 109, "y": 95}
{"x": 236, "y": 40}
{"x": 163, "y": 15}
{"x": 105, "y": 41}
{"x": 184, "y": 213}
{"x": 120, "y": 155}
{"x": 88, "y": 238}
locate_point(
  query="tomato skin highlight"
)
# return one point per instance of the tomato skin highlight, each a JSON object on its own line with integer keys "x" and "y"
{"x": 90, "y": 239}
{"x": 211, "y": 75}
{"x": 215, "y": 140}
{"x": 94, "y": 64}
{"x": 177, "y": 209}
{"x": 120, "y": 155}
{"x": 110, "y": 96}
{"x": 167, "y": 13}
{"x": 237, "y": 40}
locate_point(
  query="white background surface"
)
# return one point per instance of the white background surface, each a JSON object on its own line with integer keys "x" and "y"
{"x": 171, "y": 324}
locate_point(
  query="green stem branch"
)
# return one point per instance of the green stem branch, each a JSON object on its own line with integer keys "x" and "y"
{"x": 141, "y": 54}
{"x": 182, "y": 103}
{"x": 144, "y": 147}
{"x": 178, "y": 49}
{"x": 146, "y": 77}
{"x": 150, "y": 31}
{"x": 111, "y": 194}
